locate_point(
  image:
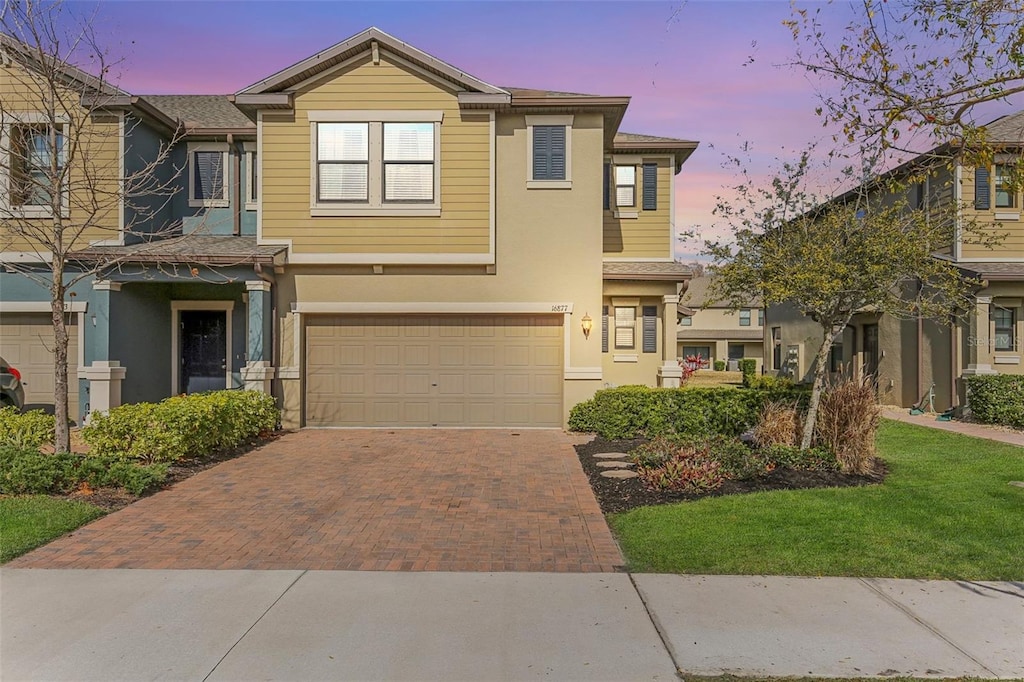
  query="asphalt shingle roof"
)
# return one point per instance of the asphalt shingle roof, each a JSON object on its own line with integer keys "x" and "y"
{"x": 1007, "y": 129}
{"x": 201, "y": 111}
{"x": 644, "y": 270}
{"x": 190, "y": 248}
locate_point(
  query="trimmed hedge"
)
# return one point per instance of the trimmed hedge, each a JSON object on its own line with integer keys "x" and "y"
{"x": 25, "y": 471}
{"x": 29, "y": 430}
{"x": 997, "y": 399}
{"x": 632, "y": 411}
{"x": 182, "y": 426}
{"x": 749, "y": 368}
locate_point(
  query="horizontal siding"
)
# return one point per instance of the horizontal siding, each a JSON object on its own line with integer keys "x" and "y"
{"x": 1012, "y": 245}
{"x": 99, "y": 152}
{"x": 650, "y": 234}
{"x": 464, "y": 223}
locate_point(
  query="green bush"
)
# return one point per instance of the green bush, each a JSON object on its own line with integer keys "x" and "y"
{"x": 25, "y": 471}
{"x": 25, "y": 429}
{"x": 791, "y": 456}
{"x": 719, "y": 365}
{"x": 689, "y": 470}
{"x": 632, "y": 411}
{"x": 997, "y": 399}
{"x": 182, "y": 426}
{"x": 768, "y": 382}
{"x": 749, "y": 368}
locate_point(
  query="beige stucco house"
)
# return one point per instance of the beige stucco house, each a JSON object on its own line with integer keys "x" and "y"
{"x": 378, "y": 238}
{"x": 717, "y": 331}
{"x": 912, "y": 357}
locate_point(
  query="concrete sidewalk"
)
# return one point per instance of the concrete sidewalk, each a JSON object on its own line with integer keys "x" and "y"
{"x": 987, "y": 431}
{"x": 319, "y": 625}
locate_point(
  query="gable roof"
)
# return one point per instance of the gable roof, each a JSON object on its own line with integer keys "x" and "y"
{"x": 350, "y": 47}
{"x": 27, "y": 56}
{"x": 1007, "y": 129}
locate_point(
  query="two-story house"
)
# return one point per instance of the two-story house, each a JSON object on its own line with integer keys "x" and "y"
{"x": 381, "y": 239}
{"x": 716, "y": 331}
{"x": 912, "y": 357}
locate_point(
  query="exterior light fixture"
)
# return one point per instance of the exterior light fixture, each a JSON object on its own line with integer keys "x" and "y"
{"x": 587, "y": 324}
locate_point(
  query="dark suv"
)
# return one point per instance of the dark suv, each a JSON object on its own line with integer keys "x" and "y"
{"x": 11, "y": 390}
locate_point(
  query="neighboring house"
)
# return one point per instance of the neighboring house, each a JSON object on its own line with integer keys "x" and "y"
{"x": 380, "y": 239}
{"x": 909, "y": 357}
{"x": 716, "y": 331}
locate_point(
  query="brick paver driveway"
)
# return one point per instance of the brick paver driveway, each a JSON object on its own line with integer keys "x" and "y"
{"x": 412, "y": 500}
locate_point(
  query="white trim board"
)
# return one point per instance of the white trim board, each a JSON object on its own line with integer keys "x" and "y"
{"x": 432, "y": 307}
{"x": 40, "y": 306}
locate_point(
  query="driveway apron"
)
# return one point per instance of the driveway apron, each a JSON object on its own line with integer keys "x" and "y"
{"x": 408, "y": 500}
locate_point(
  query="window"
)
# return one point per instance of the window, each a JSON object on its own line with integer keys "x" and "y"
{"x": 745, "y": 317}
{"x": 251, "y": 181}
{"x": 735, "y": 351}
{"x": 343, "y": 162}
{"x": 31, "y": 177}
{"x": 1006, "y": 193}
{"x": 625, "y": 185}
{"x": 686, "y": 321}
{"x": 760, "y": 317}
{"x": 549, "y": 152}
{"x": 625, "y": 328}
{"x": 1004, "y": 323}
{"x": 207, "y": 170}
{"x": 375, "y": 163}
{"x": 776, "y": 347}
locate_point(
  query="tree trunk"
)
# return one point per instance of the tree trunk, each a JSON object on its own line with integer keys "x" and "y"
{"x": 62, "y": 437}
{"x": 820, "y": 369}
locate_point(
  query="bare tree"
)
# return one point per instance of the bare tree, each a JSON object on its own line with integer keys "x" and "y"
{"x": 59, "y": 158}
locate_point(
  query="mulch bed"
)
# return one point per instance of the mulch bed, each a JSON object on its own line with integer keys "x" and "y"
{"x": 622, "y": 494}
{"x": 112, "y": 499}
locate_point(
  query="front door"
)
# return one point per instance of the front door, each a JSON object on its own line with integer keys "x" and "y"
{"x": 204, "y": 351}
{"x": 871, "y": 355}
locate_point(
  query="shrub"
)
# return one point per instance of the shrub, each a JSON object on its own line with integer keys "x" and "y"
{"x": 632, "y": 411}
{"x": 847, "y": 422}
{"x": 25, "y": 471}
{"x": 997, "y": 399}
{"x": 768, "y": 382}
{"x": 29, "y": 430}
{"x": 691, "y": 468}
{"x": 738, "y": 461}
{"x": 749, "y": 368}
{"x": 182, "y": 426}
{"x": 719, "y": 365}
{"x": 791, "y": 456}
{"x": 778, "y": 424}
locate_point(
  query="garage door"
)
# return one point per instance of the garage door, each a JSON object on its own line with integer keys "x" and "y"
{"x": 434, "y": 370}
{"x": 26, "y": 341}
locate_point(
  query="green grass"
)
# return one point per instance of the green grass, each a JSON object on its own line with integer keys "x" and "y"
{"x": 26, "y": 522}
{"x": 730, "y": 678}
{"x": 946, "y": 511}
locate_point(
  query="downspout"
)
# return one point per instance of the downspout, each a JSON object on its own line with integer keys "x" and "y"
{"x": 920, "y": 344}
{"x": 236, "y": 187}
{"x": 954, "y": 365}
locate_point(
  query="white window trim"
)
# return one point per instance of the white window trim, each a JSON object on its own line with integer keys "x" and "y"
{"x": 194, "y": 147}
{"x": 550, "y": 120}
{"x": 625, "y": 210}
{"x": 376, "y": 206}
{"x": 6, "y": 210}
{"x": 250, "y": 163}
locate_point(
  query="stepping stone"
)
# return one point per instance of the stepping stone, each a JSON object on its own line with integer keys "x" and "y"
{"x": 619, "y": 473}
{"x": 615, "y": 465}
{"x": 611, "y": 455}
{"x": 1019, "y": 484}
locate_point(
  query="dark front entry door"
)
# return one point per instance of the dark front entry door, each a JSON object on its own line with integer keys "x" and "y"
{"x": 871, "y": 355}
{"x": 204, "y": 350}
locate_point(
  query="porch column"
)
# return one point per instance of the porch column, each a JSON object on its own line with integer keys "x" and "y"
{"x": 979, "y": 341}
{"x": 104, "y": 374}
{"x": 670, "y": 374}
{"x": 258, "y": 370}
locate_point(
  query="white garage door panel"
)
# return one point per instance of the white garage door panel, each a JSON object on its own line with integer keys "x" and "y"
{"x": 26, "y": 341}
{"x": 455, "y": 370}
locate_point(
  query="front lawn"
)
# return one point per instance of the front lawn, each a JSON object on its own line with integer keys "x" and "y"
{"x": 26, "y": 522}
{"x": 945, "y": 511}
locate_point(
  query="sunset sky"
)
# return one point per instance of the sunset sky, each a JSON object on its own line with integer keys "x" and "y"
{"x": 708, "y": 71}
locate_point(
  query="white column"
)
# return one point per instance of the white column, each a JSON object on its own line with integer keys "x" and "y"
{"x": 670, "y": 374}
{"x": 979, "y": 340}
{"x": 105, "y": 377}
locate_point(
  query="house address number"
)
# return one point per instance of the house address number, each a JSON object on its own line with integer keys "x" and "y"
{"x": 561, "y": 308}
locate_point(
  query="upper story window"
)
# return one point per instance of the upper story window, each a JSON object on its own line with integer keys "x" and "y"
{"x": 207, "y": 175}
{"x": 1004, "y": 323}
{"x": 369, "y": 163}
{"x": 625, "y": 185}
{"x": 745, "y": 317}
{"x": 34, "y": 158}
{"x": 549, "y": 152}
{"x": 760, "y": 317}
{"x": 1006, "y": 193}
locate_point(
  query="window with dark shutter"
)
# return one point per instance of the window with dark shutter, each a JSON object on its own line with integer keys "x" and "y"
{"x": 982, "y": 191}
{"x": 549, "y": 152}
{"x": 604, "y": 329}
{"x": 607, "y": 183}
{"x": 650, "y": 329}
{"x": 650, "y": 189}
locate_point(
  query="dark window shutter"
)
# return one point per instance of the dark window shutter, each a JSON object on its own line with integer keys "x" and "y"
{"x": 607, "y": 188}
{"x": 604, "y": 329}
{"x": 557, "y": 153}
{"x": 541, "y": 152}
{"x": 650, "y": 186}
{"x": 650, "y": 341}
{"x": 982, "y": 190}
